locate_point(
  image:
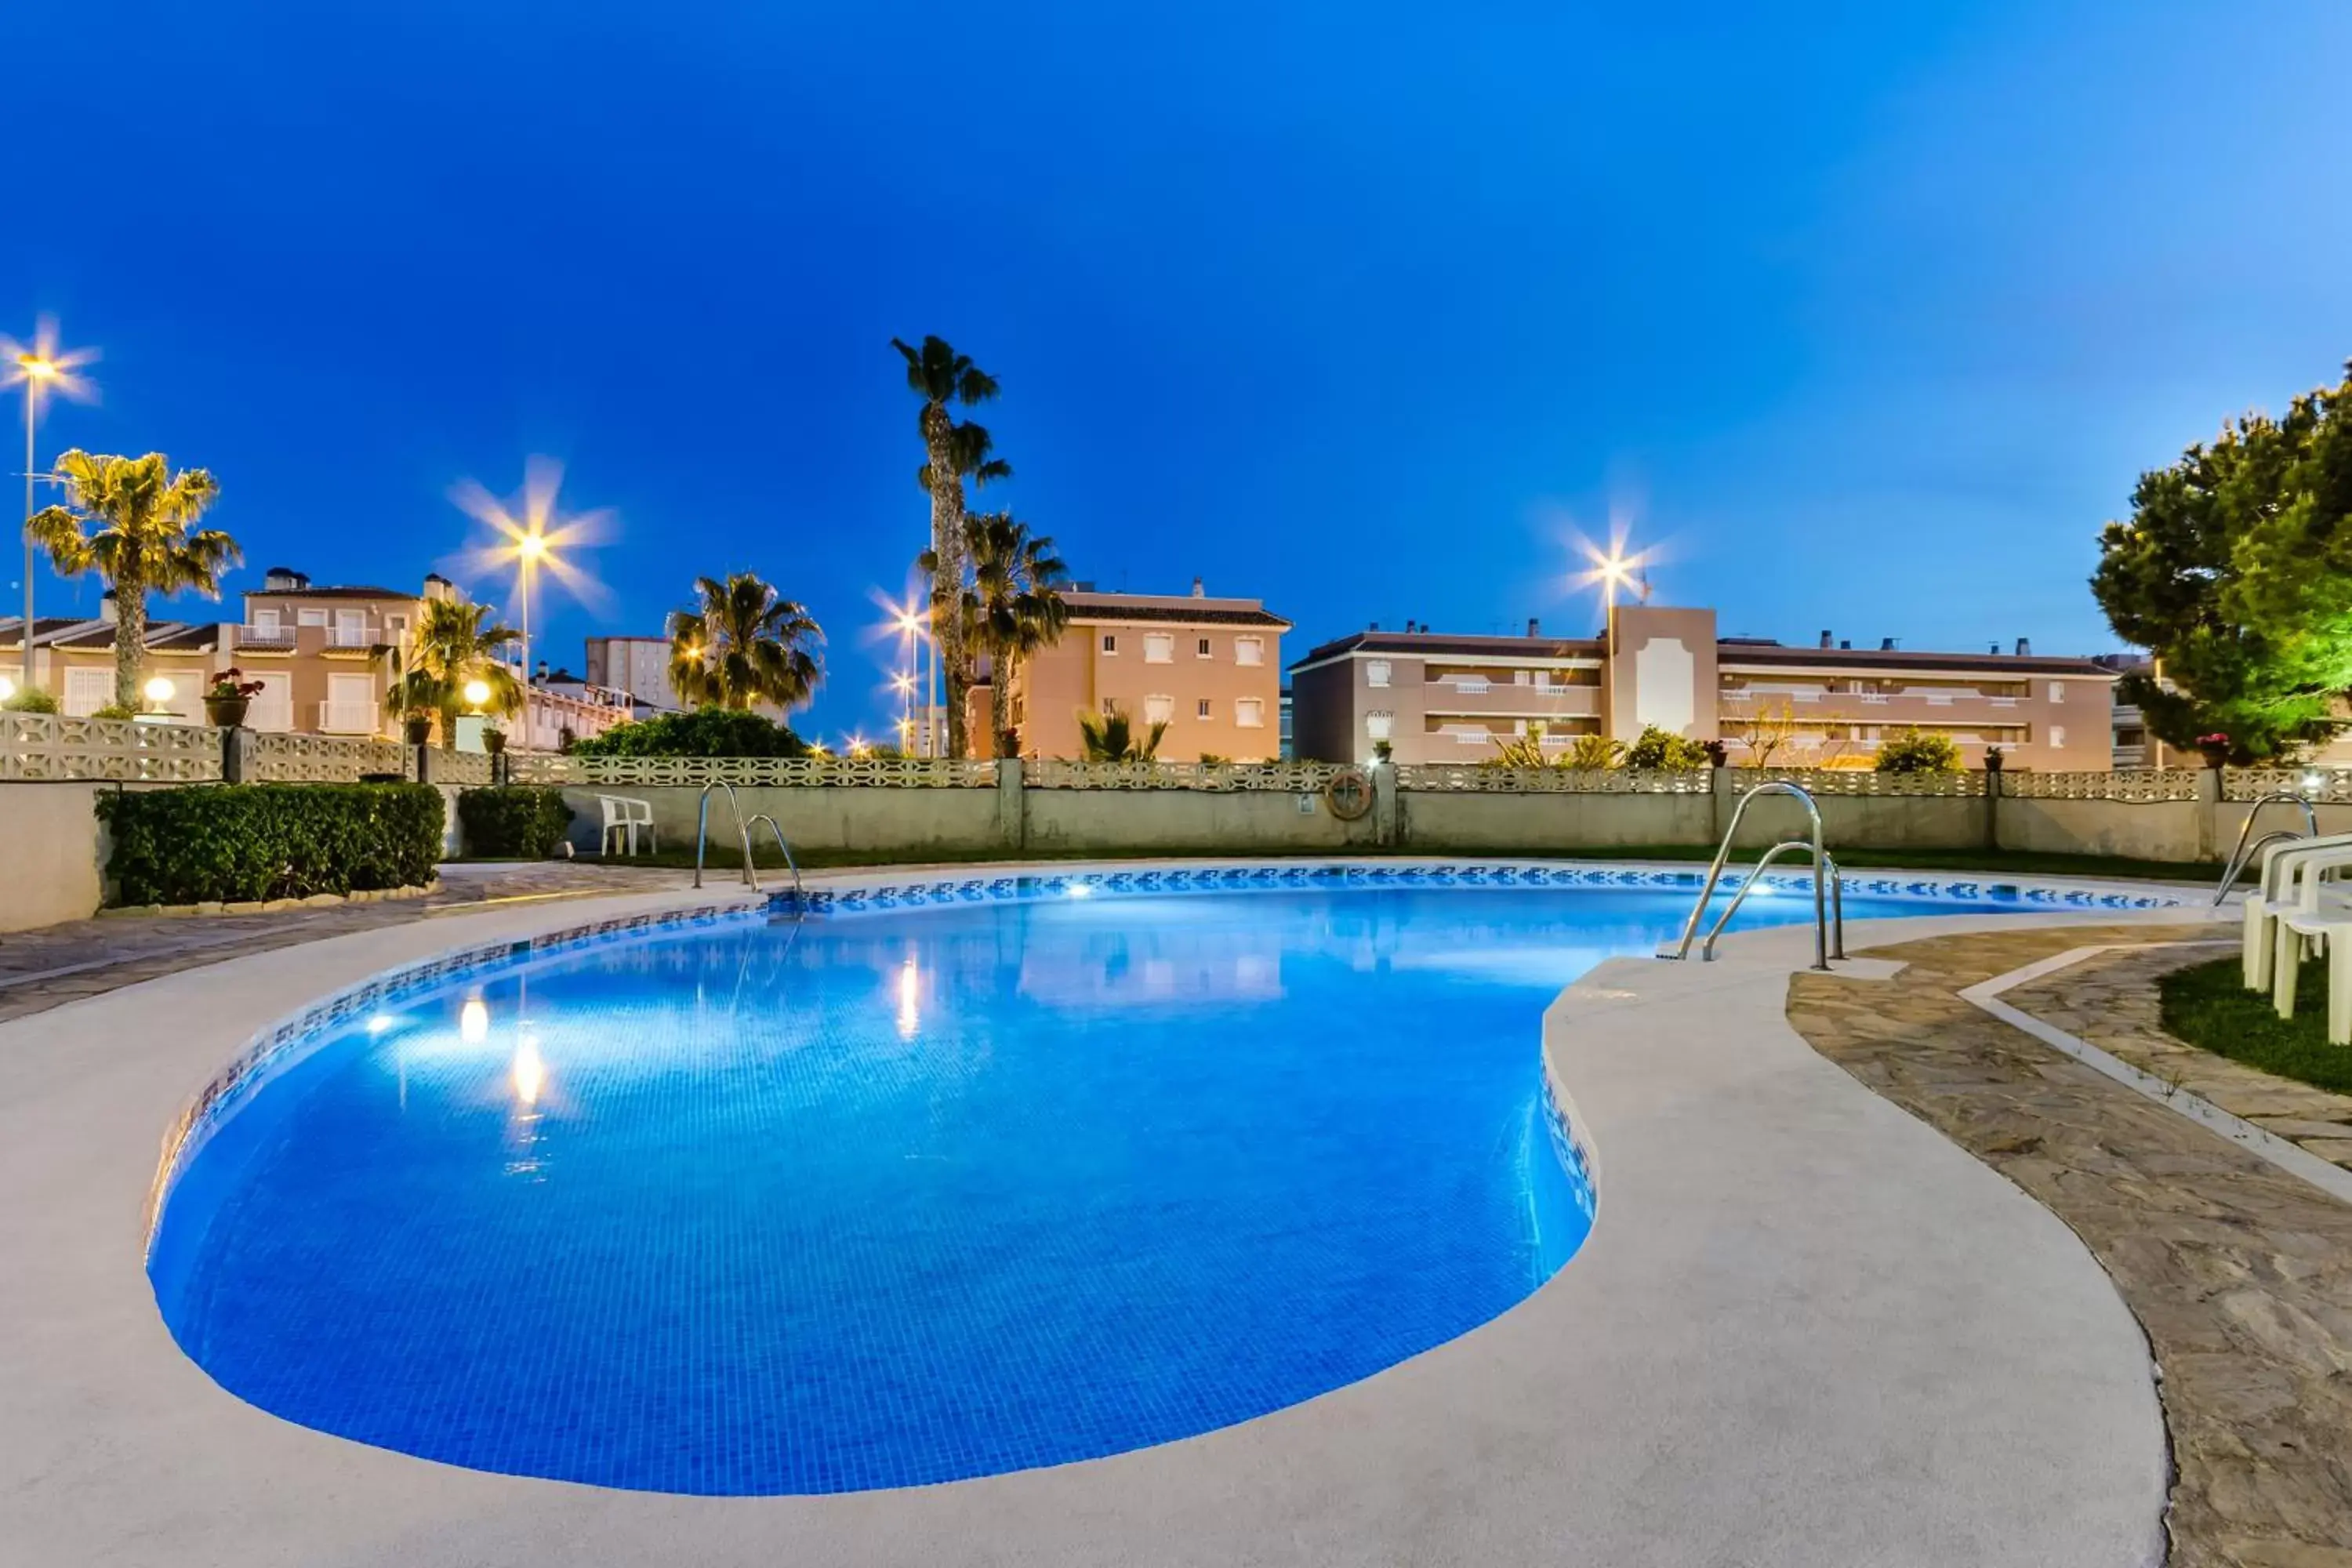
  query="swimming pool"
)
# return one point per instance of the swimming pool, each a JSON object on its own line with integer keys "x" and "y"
{"x": 778, "y": 1205}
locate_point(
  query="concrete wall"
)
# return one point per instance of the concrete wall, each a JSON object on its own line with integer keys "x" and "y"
{"x": 1538, "y": 823}
{"x": 824, "y": 816}
{"x": 49, "y": 834}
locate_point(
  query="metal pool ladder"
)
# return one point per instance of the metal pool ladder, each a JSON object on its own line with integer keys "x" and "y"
{"x": 743, "y": 835}
{"x": 2244, "y": 855}
{"x": 1829, "y": 897}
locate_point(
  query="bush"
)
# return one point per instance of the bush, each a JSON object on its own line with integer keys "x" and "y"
{"x": 238, "y": 843}
{"x": 518, "y": 820}
{"x": 32, "y": 699}
{"x": 704, "y": 732}
{"x": 1658, "y": 752}
{"x": 1916, "y": 751}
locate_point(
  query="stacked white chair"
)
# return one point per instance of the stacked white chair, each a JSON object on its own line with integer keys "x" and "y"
{"x": 2313, "y": 906}
{"x": 2274, "y": 890}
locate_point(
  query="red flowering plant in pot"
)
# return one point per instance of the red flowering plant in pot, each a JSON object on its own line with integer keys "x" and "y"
{"x": 227, "y": 698}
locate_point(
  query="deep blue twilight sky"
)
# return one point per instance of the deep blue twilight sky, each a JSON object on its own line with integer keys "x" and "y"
{"x": 1868, "y": 313}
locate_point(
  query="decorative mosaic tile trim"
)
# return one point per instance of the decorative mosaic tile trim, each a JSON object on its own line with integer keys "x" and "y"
{"x": 950, "y": 889}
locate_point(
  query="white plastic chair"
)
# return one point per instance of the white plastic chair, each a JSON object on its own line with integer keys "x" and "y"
{"x": 2311, "y": 909}
{"x": 624, "y": 814}
{"x": 2274, "y": 890}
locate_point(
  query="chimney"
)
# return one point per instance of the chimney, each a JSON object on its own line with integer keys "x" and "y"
{"x": 108, "y": 611}
{"x": 1534, "y": 626}
{"x": 1846, "y": 642}
{"x": 1826, "y": 640}
{"x": 1993, "y": 649}
{"x": 2024, "y": 647}
{"x": 1887, "y": 645}
{"x": 284, "y": 580}
{"x": 1197, "y": 592}
{"x": 1376, "y": 626}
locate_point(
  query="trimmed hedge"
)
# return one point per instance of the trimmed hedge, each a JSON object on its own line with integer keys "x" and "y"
{"x": 239, "y": 843}
{"x": 704, "y": 732}
{"x": 521, "y": 820}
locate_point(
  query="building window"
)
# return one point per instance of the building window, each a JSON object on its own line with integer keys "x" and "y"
{"x": 1522, "y": 677}
{"x": 1159, "y": 648}
{"x": 2058, "y": 735}
{"x": 1249, "y": 712}
{"x": 1203, "y": 651}
{"x": 265, "y": 623}
{"x": 1200, "y": 709}
{"x": 309, "y": 618}
{"x": 1376, "y": 672}
{"x": 1158, "y": 710}
{"x": 2057, "y": 691}
{"x": 1377, "y": 726}
{"x": 1543, "y": 679}
{"x": 1110, "y": 642}
{"x": 86, "y": 691}
{"x": 1249, "y": 650}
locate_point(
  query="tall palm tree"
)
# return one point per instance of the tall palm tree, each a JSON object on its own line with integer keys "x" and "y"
{"x": 452, "y": 649}
{"x": 1014, "y": 606}
{"x": 744, "y": 643}
{"x": 943, "y": 378}
{"x": 131, "y": 521}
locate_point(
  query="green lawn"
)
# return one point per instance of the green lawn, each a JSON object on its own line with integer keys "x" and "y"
{"x": 1991, "y": 862}
{"x": 2208, "y": 1006}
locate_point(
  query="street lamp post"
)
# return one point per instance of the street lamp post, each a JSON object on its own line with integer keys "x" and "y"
{"x": 43, "y": 368}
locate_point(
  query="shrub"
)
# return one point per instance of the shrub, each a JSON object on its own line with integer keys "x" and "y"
{"x": 32, "y": 699}
{"x": 1918, "y": 752}
{"x": 519, "y": 820}
{"x": 1657, "y": 752}
{"x": 704, "y": 732}
{"x": 244, "y": 842}
{"x": 115, "y": 710}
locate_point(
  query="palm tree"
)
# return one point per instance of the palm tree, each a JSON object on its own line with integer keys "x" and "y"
{"x": 1111, "y": 738}
{"x": 131, "y": 520}
{"x": 1014, "y": 606}
{"x": 454, "y": 649}
{"x": 952, "y": 451}
{"x": 745, "y": 643}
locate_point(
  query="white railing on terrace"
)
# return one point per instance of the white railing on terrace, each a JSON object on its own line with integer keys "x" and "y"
{"x": 1297, "y": 778}
{"x": 350, "y": 636}
{"x": 325, "y": 758}
{"x": 249, "y": 633}
{"x": 348, "y": 718}
{"x": 934, "y": 772}
{"x": 45, "y": 746}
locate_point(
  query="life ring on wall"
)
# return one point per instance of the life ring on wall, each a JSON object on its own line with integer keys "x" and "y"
{"x": 1349, "y": 795}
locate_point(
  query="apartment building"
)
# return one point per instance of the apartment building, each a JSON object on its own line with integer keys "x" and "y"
{"x": 1209, "y": 669}
{"x": 638, "y": 667}
{"x": 319, "y": 652}
{"x": 1437, "y": 696}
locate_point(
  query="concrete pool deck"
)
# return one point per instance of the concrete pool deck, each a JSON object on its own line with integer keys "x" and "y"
{"x": 1806, "y": 1330}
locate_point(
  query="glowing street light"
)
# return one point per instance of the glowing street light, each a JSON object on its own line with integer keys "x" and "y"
{"x": 477, "y": 693}
{"x": 159, "y": 695}
{"x": 530, "y": 532}
{"x": 1612, "y": 569}
{"x": 41, "y": 367}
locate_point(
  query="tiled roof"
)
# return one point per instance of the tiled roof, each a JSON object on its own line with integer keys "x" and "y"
{"x": 348, "y": 593}
{"x": 44, "y": 626}
{"x": 1744, "y": 655}
{"x": 163, "y": 636}
{"x": 1439, "y": 644}
{"x": 1095, "y": 608}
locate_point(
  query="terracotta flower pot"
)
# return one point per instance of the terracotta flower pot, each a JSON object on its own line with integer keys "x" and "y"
{"x": 419, "y": 732}
{"x": 225, "y": 713}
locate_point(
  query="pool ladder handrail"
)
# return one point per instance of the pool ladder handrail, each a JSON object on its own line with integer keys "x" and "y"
{"x": 800, "y": 898}
{"x": 702, "y": 831}
{"x": 1824, "y": 872}
{"x": 1756, "y": 875}
{"x": 2244, "y": 855}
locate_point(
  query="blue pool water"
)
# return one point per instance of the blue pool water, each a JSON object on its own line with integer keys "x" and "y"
{"x": 819, "y": 1205}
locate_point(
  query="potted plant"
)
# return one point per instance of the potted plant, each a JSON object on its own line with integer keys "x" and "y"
{"x": 494, "y": 736}
{"x": 2216, "y": 747}
{"x": 418, "y": 727}
{"x": 1994, "y": 757}
{"x": 1382, "y": 751}
{"x": 228, "y": 696}
{"x": 1718, "y": 753}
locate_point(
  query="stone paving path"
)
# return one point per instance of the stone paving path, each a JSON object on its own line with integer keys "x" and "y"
{"x": 2111, "y": 1001}
{"x": 55, "y": 964}
{"x": 2241, "y": 1274}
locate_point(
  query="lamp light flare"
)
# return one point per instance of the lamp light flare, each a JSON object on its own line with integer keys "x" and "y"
{"x": 474, "y": 1021}
{"x": 477, "y": 693}
{"x": 159, "y": 691}
{"x": 528, "y": 1073}
{"x": 46, "y": 366}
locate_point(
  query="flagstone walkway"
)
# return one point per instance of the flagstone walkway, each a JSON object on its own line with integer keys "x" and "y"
{"x": 2239, "y": 1273}
{"x": 55, "y": 964}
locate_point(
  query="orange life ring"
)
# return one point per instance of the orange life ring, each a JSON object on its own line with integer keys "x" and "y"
{"x": 1349, "y": 795}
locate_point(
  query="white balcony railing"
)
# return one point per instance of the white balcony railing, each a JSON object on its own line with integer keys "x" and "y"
{"x": 348, "y": 718}
{"x": 350, "y": 636}
{"x": 249, "y": 633}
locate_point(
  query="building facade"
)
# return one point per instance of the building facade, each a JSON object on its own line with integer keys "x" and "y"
{"x": 1438, "y": 697}
{"x": 1209, "y": 669}
{"x": 636, "y": 666}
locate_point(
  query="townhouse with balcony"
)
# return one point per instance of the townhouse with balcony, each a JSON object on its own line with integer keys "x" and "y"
{"x": 1209, "y": 669}
{"x": 1436, "y": 697}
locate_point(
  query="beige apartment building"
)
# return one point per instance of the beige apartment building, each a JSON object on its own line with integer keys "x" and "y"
{"x": 1210, "y": 669}
{"x": 1438, "y": 698}
{"x": 320, "y": 654}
